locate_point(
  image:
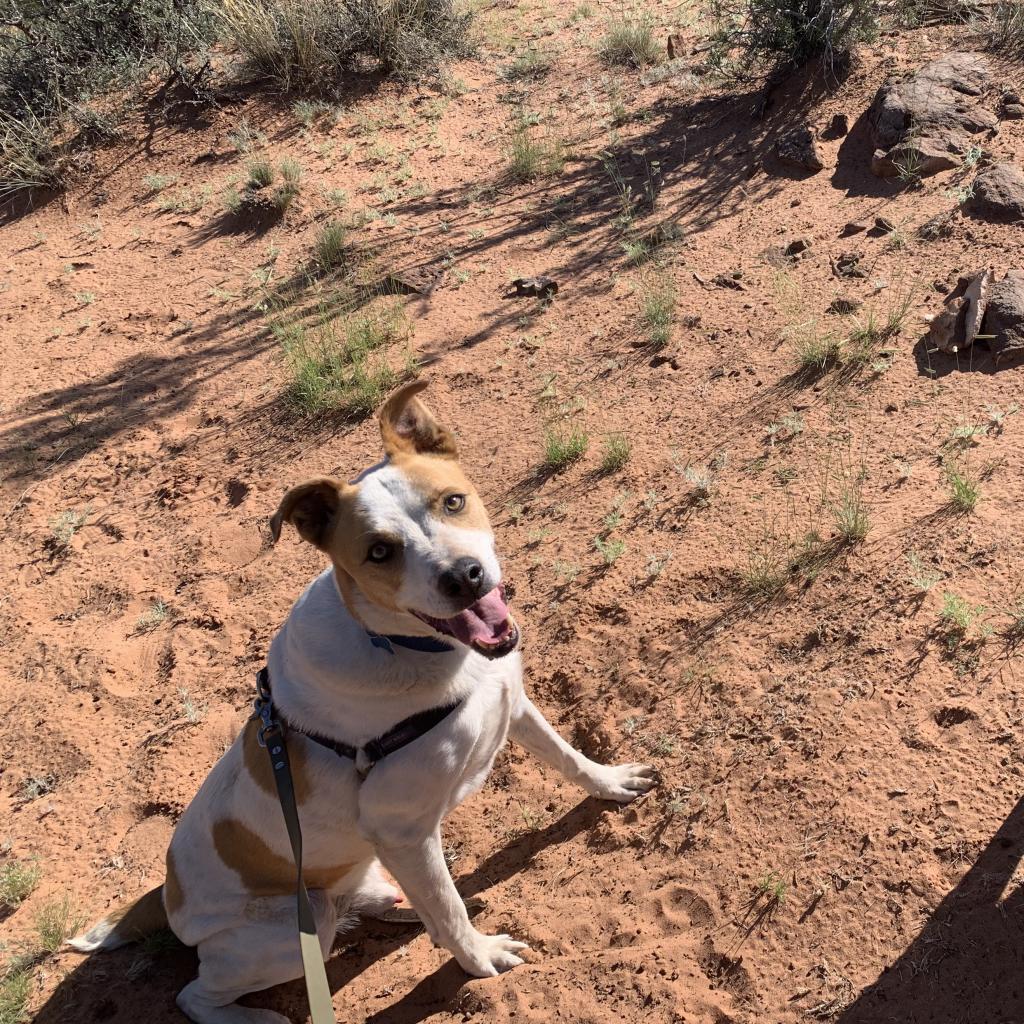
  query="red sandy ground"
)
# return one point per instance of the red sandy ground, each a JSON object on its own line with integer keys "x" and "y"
{"x": 828, "y": 735}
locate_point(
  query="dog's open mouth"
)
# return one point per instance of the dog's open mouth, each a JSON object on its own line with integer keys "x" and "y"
{"x": 485, "y": 625}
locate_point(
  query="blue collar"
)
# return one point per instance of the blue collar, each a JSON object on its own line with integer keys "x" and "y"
{"x": 423, "y": 644}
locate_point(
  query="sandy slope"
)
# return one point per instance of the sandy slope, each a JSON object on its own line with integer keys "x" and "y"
{"x": 827, "y": 735}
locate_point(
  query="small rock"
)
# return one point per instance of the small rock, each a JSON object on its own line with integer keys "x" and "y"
{"x": 1013, "y": 112}
{"x": 796, "y": 247}
{"x": 939, "y": 226}
{"x": 843, "y": 307}
{"x": 847, "y": 264}
{"x": 918, "y": 157}
{"x": 676, "y": 46}
{"x": 1011, "y": 96}
{"x": 940, "y": 286}
{"x": 536, "y": 287}
{"x": 852, "y": 227}
{"x": 997, "y": 194}
{"x": 727, "y": 281}
{"x": 884, "y": 225}
{"x": 1004, "y": 318}
{"x": 837, "y": 127}
{"x": 797, "y": 148}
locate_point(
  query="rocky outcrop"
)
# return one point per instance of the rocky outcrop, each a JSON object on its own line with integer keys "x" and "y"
{"x": 924, "y": 123}
{"x": 1004, "y": 318}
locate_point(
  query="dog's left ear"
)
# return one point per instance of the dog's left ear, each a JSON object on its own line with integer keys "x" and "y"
{"x": 407, "y": 425}
{"x": 311, "y": 508}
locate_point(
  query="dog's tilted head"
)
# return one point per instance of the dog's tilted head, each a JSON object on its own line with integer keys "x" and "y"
{"x": 410, "y": 535}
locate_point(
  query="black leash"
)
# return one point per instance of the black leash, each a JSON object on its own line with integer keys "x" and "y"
{"x": 271, "y": 736}
{"x": 272, "y": 731}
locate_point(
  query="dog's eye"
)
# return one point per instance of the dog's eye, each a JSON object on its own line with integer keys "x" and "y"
{"x": 454, "y": 503}
{"x": 380, "y": 552}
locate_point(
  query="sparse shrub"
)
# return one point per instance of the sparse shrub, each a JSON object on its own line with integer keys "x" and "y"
{"x": 610, "y": 550}
{"x": 658, "y": 309}
{"x": 158, "y": 614}
{"x": 67, "y": 524}
{"x": 311, "y": 111}
{"x": 849, "y": 510}
{"x": 15, "y": 988}
{"x": 959, "y": 615}
{"x": 341, "y": 367}
{"x": 54, "y": 54}
{"x": 17, "y": 880}
{"x": 767, "y": 565}
{"x": 261, "y": 174}
{"x": 785, "y": 34}
{"x": 529, "y": 65}
{"x": 308, "y": 43}
{"x": 531, "y": 156}
{"x": 629, "y": 41}
{"x": 54, "y": 923}
{"x": 617, "y": 450}
{"x": 156, "y": 183}
{"x": 964, "y": 487}
{"x": 331, "y": 248}
{"x": 562, "y": 448}
{"x": 921, "y": 578}
{"x": 1004, "y": 28}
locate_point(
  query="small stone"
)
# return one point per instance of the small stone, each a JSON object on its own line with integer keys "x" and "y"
{"x": 847, "y": 264}
{"x": 1013, "y": 112}
{"x": 797, "y": 246}
{"x": 798, "y": 149}
{"x": 1011, "y": 96}
{"x": 942, "y": 287}
{"x": 852, "y": 227}
{"x": 885, "y": 225}
{"x": 843, "y": 306}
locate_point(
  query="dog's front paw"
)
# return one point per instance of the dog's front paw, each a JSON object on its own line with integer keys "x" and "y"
{"x": 488, "y": 955}
{"x": 620, "y": 782}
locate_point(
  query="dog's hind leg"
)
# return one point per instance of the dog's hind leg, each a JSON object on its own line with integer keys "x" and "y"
{"x": 261, "y": 952}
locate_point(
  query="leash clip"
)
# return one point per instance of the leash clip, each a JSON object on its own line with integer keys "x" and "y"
{"x": 263, "y": 709}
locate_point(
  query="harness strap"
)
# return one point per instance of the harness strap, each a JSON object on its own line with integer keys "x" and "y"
{"x": 321, "y": 1008}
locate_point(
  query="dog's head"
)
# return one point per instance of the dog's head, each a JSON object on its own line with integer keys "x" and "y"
{"x": 410, "y": 535}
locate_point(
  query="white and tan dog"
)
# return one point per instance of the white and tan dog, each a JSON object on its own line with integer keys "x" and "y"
{"x": 412, "y": 555}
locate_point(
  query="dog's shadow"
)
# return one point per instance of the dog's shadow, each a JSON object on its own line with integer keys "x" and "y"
{"x": 136, "y": 984}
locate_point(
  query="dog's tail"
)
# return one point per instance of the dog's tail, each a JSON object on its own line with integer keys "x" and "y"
{"x": 128, "y": 924}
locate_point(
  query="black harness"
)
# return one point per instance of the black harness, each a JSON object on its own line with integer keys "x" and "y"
{"x": 366, "y": 756}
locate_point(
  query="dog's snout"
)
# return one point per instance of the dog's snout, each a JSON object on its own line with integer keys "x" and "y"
{"x": 464, "y": 580}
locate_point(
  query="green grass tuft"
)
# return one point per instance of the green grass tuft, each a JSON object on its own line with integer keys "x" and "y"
{"x": 18, "y": 879}
{"x": 629, "y": 41}
{"x": 561, "y": 449}
{"x": 617, "y": 451}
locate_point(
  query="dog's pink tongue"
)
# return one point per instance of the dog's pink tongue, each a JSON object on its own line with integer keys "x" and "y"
{"x": 485, "y": 621}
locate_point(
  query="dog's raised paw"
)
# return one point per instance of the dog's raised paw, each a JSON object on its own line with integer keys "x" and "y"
{"x": 490, "y": 955}
{"x": 621, "y": 782}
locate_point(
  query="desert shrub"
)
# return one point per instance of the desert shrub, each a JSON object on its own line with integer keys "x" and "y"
{"x": 53, "y": 54}
{"x": 778, "y": 35}
{"x": 304, "y": 44}
{"x": 629, "y": 41}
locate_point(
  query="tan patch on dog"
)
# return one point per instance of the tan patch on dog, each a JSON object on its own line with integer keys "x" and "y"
{"x": 435, "y": 479}
{"x": 257, "y": 764}
{"x": 263, "y": 872}
{"x": 174, "y": 898}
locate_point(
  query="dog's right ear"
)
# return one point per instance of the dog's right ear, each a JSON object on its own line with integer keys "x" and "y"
{"x": 311, "y": 508}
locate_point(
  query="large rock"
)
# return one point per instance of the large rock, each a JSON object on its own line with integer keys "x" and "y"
{"x": 1004, "y": 318}
{"x": 997, "y": 194}
{"x": 798, "y": 149}
{"x": 937, "y": 109}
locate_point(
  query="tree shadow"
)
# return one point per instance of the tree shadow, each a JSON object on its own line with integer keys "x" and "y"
{"x": 965, "y": 966}
{"x": 128, "y": 985}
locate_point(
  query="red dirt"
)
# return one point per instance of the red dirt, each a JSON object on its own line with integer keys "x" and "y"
{"x": 830, "y": 737}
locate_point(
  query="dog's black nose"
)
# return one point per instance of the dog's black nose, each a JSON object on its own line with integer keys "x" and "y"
{"x": 465, "y": 579}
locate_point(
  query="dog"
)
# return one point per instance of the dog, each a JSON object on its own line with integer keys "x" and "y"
{"x": 410, "y": 618}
